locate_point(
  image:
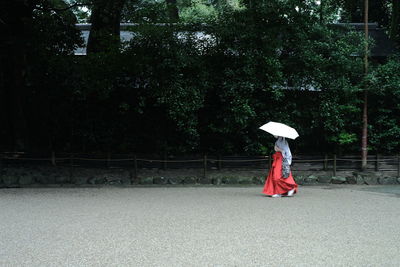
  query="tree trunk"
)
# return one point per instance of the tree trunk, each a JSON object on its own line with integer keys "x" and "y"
{"x": 105, "y": 30}
{"x": 321, "y": 12}
{"x": 395, "y": 22}
{"x": 173, "y": 12}
{"x": 248, "y": 3}
{"x": 351, "y": 7}
{"x": 364, "y": 143}
{"x": 16, "y": 20}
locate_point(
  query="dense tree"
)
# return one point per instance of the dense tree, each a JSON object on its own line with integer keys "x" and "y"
{"x": 16, "y": 27}
{"x": 27, "y": 40}
{"x": 188, "y": 87}
{"x": 384, "y": 107}
{"x": 385, "y": 12}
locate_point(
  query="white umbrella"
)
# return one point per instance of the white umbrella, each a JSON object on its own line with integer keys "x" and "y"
{"x": 280, "y": 129}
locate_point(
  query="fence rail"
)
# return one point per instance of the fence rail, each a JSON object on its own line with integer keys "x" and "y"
{"x": 300, "y": 163}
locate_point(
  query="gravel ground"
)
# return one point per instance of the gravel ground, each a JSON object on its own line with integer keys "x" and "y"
{"x": 200, "y": 226}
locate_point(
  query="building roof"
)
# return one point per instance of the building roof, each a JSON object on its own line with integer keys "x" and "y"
{"x": 383, "y": 47}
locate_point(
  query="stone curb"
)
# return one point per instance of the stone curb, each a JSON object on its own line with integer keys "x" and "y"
{"x": 15, "y": 178}
{"x": 201, "y": 182}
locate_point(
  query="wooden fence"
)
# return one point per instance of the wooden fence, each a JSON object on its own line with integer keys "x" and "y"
{"x": 330, "y": 163}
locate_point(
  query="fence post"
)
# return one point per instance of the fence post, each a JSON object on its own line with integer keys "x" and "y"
{"x": 219, "y": 163}
{"x": 377, "y": 162}
{"x": 205, "y": 166}
{"x": 135, "y": 176}
{"x": 164, "y": 164}
{"x": 53, "y": 158}
{"x": 334, "y": 165}
{"x": 326, "y": 162}
{"x": 398, "y": 166}
{"x": 269, "y": 161}
{"x": 71, "y": 167}
{"x": 108, "y": 159}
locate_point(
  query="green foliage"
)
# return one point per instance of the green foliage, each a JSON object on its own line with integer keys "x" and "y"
{"x": 199, "y": 12}
{"x": 347, "y": 138}
{"x": 190, "y": 11}
{"x": 145, "y": 11}
{"x": 190, "y": 88}
{"x": 384, "y": 90}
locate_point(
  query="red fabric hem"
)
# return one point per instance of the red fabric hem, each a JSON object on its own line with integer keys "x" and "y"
{"x": 274, "y": 183}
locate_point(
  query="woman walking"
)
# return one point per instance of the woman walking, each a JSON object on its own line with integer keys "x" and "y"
{"x": 280, "y": 181}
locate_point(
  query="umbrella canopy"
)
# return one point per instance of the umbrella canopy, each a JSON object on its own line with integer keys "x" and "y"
{"x": 280, "y": 129}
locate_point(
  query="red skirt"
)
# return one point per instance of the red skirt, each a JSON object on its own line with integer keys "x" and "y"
{"x": 275, "y": 184}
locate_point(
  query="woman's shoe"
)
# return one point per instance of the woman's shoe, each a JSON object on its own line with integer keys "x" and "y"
{"x": 290, "y": 193}
{"x": 276, "y": 195}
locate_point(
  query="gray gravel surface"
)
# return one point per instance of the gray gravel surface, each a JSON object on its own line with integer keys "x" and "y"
{"x": 199, "y": 226}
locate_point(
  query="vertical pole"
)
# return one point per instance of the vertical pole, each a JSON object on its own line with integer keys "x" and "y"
{"x": 53, "y": 158}
{"x": 326, "y": 162}
{"x": 395, "y": 21}
{"x": 269, "y": 162}
{"x": 321, "y": 12}
{"x": 398, "y": 166}
{"x": 108, "y": 159}
{"x": 334, "y": 165}
{"x": 205, "y": 167}
{"x": 377, "y": 162}
{"x": 71, "y": 167}
{"x": 135, "y": 175}
{"x": 1, "y": 163}
{"x": 364, "y": 143}
{"x": 164, "y": 165}
{"x": 219, "y": 162}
